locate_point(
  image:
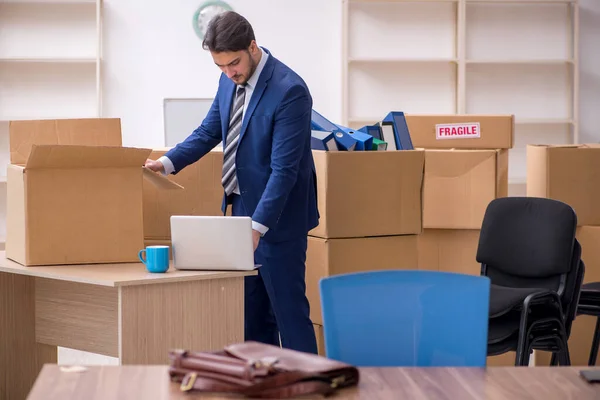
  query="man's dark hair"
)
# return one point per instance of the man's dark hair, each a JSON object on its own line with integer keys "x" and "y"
{"x": 228, "y": 31}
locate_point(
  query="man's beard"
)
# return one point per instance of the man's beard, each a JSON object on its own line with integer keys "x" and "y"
{"x": 253, "y": 65}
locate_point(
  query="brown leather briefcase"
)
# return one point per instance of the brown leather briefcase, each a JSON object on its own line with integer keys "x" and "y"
{"x": 253, "y": 369}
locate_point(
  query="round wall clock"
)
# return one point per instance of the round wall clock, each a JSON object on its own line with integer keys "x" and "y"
{"x": 205, "y": 13}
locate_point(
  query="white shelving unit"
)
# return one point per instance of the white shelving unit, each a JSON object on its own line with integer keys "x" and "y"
{"x": 50, "y": 66}
{"x": 465, "y": 56}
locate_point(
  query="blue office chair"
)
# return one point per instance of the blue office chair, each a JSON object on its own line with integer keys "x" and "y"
{"x": 406, "y": 318}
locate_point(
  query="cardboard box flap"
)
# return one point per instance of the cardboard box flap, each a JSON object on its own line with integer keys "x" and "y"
{"x": 555, "y": 146}
{"x": 567, "y": 146}
{"x": 160, "y": 181}
{"x": 87, "y": 131}
{"x": 454, "y": 163}
{"x": 57, "y": 156}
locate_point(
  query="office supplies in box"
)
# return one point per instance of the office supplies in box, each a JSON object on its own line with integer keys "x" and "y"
{"x": 344, "y": 140}
{"x": 364, "y": 142}
{"x": 323, "y": 140}
{"x": 391, "y": 133}
{"x": 399, "y": 135}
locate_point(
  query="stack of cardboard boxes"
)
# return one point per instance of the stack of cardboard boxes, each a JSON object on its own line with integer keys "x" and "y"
{"x": 370, "y": 205}
{"x": 571, "y": 173}
{"x": 462, "y": 175}
{"x": 466, "y": 167}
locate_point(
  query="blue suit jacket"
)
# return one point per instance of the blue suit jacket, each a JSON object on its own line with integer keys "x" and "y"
{"x": 274, "y": 163}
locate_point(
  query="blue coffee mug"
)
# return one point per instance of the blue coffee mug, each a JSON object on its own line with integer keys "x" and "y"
{"x": 156, "y": 258}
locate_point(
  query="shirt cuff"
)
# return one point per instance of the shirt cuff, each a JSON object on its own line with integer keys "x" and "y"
{"x": 169, "y": 168}
{"x": 259, "y": 227}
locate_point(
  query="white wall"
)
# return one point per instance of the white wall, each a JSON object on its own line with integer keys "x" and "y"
{"x": 144, "y": 64}
{"x": 151, "y": 52}
{"x": 589, "y": 70}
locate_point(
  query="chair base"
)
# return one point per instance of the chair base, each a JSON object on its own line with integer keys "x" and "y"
{"x": 545, "y": 333}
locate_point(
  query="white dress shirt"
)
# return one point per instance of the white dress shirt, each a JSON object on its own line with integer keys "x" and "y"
{"x": 250, "y": 85}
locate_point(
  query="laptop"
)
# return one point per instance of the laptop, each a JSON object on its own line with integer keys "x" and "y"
{"x": 212, "y": 243}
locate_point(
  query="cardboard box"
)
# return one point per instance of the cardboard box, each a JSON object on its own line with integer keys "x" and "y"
{"x": 569, "y": 173}
{"x": 449, "y": 250}
{"x": 502, "y": 360}
{"x": 365, "y": 194}
{"x": 320, "y": 336}
{"x": 202, "y": 194}
{"x": 74, "y": 195}
{"x": 473, "y": 131}
{"x": 460, "y": 184}
{"x": 84, "y": 132}
{"x": 328, "y": 257}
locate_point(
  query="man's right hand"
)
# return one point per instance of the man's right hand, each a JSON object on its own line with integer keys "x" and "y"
{"x": 155, "y": 166}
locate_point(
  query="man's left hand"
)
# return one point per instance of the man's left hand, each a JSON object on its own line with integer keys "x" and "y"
{"x": 255, "y": 238}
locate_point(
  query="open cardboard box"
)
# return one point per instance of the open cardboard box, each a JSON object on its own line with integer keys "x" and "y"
{"x": 74, "y": 195}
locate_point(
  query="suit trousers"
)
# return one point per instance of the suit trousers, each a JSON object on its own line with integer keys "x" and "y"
{"x": 275, "y": 299}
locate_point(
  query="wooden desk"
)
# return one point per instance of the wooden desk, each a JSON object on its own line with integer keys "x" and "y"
{"x": 118, "y": 310}
{"x": 497, "y": 383}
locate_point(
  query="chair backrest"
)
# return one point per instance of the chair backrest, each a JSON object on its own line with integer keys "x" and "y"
{"x": 406, "y": 318}
{"x": 528, "y": 242}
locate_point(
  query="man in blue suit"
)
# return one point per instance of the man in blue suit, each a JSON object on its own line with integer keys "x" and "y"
{"x": 262, "y": 114}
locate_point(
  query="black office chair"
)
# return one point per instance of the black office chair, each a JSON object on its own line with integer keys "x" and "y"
{"x": 589, "y": 304}
{"x": 527, "y": 247}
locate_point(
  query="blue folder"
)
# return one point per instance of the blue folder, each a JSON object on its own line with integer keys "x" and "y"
{"x": 401, "y": 133}
{"x": 343, "y": 139}
{"x": 320, "y": 123}
{"x": 364, "y": 142}
{"x": 322, "y": 140}
{"x": 373, "y": 130}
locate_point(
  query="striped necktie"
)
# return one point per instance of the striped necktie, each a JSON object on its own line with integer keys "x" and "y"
{"x": 229, "y": 179}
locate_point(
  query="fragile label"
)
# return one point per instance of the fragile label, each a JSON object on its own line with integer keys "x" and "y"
{"x": 469, "y": 130}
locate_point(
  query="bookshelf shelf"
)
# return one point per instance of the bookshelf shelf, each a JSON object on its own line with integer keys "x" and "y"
{"x": 37, "y": 60}
{"x": 543, "y": 121}
{"x": 43, "y": 2}
{"x": 402, "y": 60}
{"x": 465, "y": 57}
{"x": 527, "y": 91}
{"x": 50, "y": 66}
{"x": 520, "y": 62}
{"x": 48, "y": 30}
{"x": 47, "y": 90}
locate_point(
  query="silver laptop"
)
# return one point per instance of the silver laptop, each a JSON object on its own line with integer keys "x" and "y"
{"x": 212, "y": 243}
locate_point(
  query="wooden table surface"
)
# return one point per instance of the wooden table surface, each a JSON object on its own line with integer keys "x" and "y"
{"x": 496, "y": 383}
{"x": 112, "y": 275}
